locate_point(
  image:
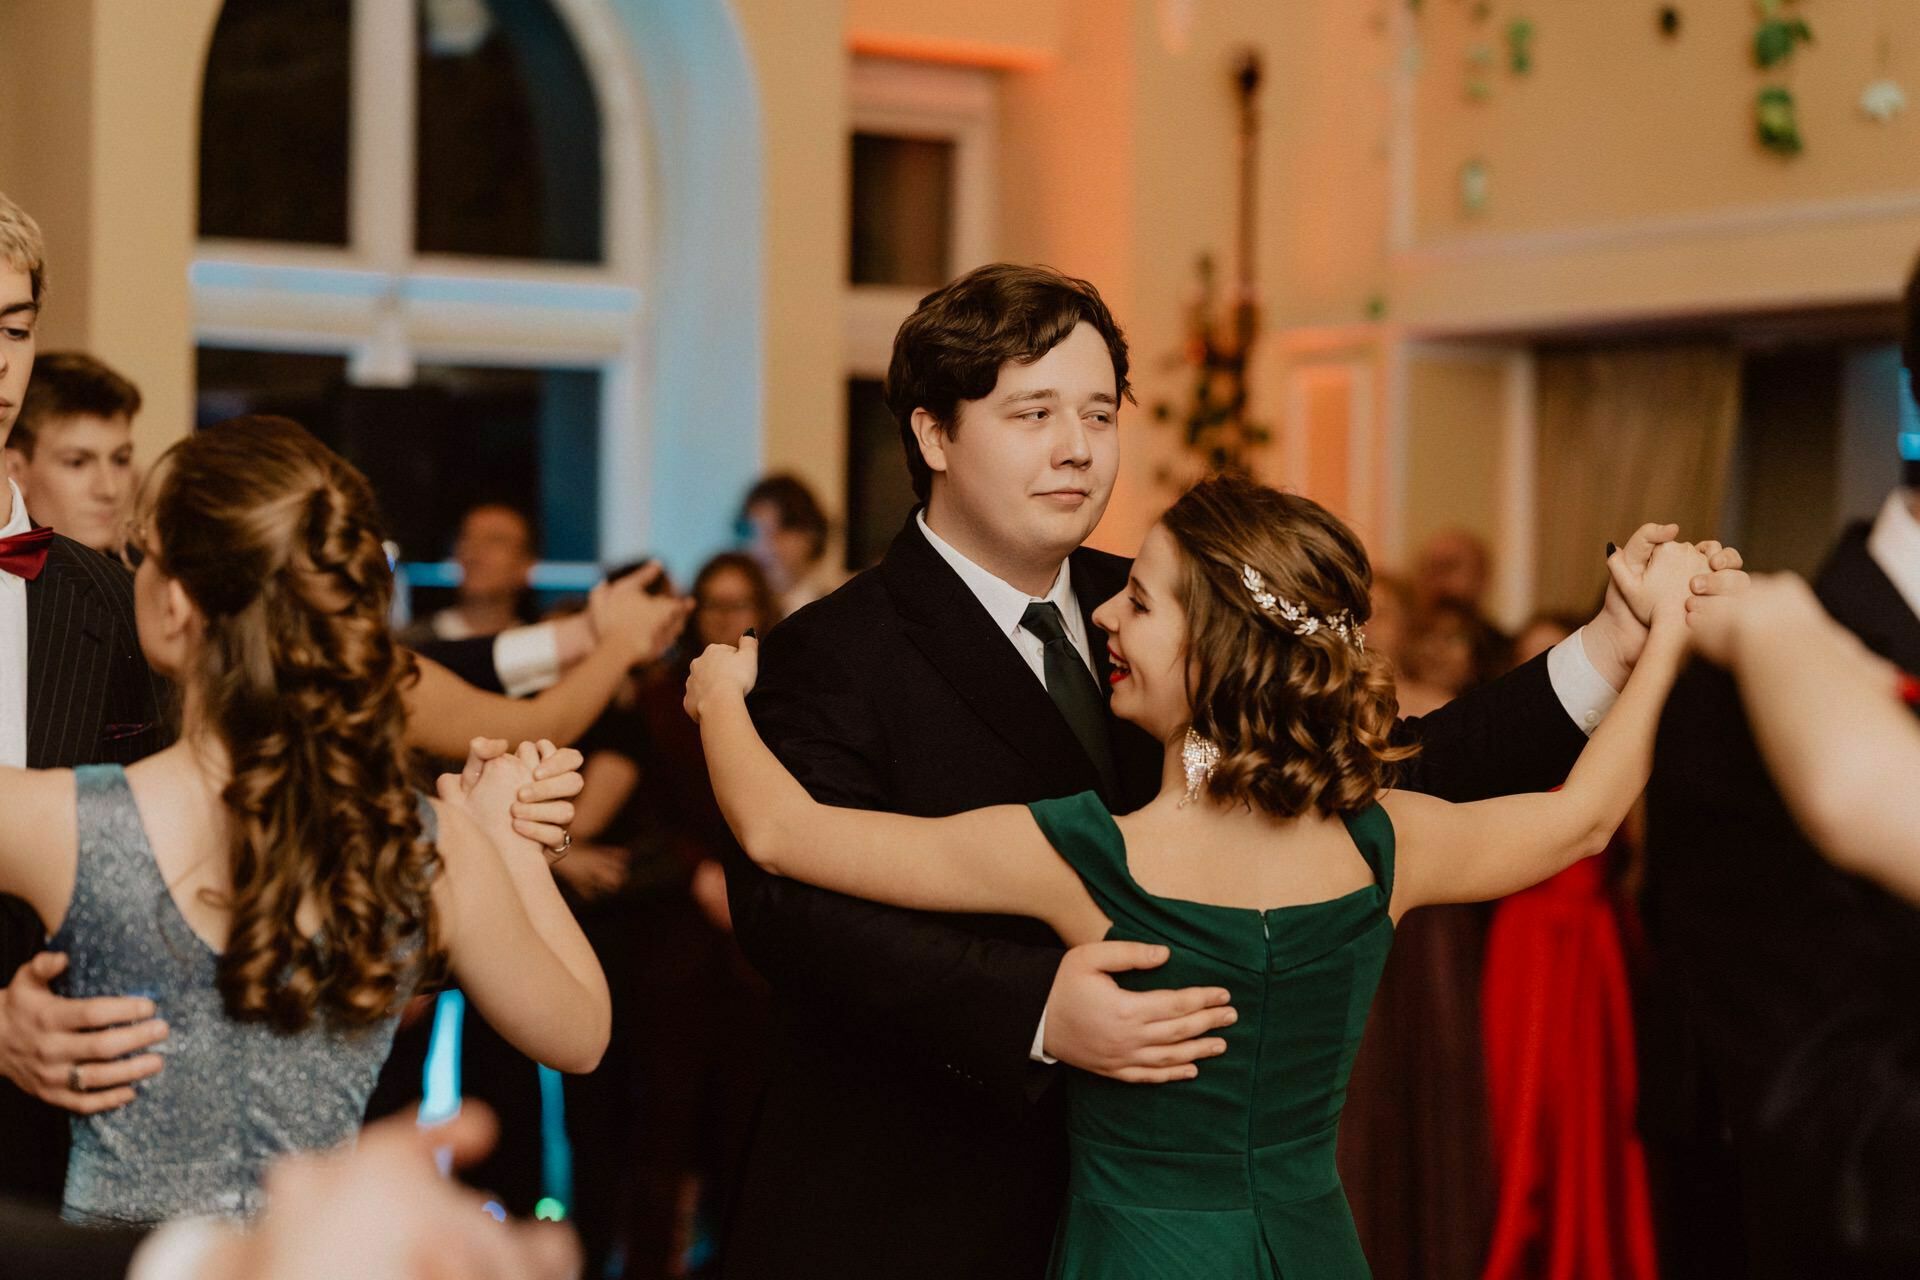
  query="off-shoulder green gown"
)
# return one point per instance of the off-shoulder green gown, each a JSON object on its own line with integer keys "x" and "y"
{"x": 1230, "y": 1174}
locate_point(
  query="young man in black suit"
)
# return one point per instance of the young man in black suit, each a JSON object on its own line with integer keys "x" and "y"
{"x": 1781, "y": 1093}
{"x": 74, "y": 689}
{"x": 911, "y": 1128}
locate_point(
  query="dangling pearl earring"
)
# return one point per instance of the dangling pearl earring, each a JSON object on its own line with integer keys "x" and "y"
{"x": 1199, "y": 757}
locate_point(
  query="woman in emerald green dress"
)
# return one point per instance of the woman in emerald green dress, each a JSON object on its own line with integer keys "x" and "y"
{"x": 1274, "y": 863}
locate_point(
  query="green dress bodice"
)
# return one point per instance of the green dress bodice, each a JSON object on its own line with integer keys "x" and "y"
{"x": 1230, "y": 1174}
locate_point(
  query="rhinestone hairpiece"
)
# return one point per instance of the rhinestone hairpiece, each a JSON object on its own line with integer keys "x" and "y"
{"x": 1304, "y": 621}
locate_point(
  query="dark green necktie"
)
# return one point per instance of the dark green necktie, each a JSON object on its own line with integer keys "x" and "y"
{"x": 1072, "y": 689}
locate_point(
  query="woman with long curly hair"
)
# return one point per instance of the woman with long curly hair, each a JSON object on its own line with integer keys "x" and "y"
{"x": 1274, "y": 863}
{"x": 272, "y": 881}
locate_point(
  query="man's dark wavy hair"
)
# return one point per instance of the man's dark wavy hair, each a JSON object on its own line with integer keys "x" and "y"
{"x": 951, "y": 348}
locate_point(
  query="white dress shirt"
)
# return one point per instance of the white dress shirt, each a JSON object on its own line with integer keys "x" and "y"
{"x": 1006, "y": 604}
{"x": 1582, "y": 690}
{"x": 527, "y": 659}
{"x": 13, "y": 647}
{"x": 1894, "y": 545}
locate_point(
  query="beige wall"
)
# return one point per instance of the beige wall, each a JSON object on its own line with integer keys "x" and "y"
{"x": 1625, "y": 178}
{"x": 1617, "y": 123}
{"x": 103, "y": 100}
{"x": 800, "y": 56}
{"x": 994, "y": 33}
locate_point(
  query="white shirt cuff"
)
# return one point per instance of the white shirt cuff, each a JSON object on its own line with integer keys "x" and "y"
{"x": 527, "y": 659}
{"x": 1039, "y": 1051}
{"x": 1582, "y": 690}
{"x": 178, "y": 1250}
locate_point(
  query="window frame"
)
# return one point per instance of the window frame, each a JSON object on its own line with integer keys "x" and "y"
{"x": 952, "y": 104}
{"x": 388, "y": 309}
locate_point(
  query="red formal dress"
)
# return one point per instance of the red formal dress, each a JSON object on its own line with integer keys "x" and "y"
{"x": 1563, "y": 1086}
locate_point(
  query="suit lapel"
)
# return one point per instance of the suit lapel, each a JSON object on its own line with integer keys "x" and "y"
{"x": 67, "y": 664}
{"x": 950, "y": 626}
{"x": 1860, "y": 596}
{"x": 1092, "y": 594}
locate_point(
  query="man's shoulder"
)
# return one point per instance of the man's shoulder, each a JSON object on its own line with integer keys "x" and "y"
{"x": 856, "y": 607}
{"x": 78, "y": 563}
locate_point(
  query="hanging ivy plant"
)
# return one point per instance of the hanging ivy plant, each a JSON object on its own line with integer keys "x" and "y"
{"x": 1520, "y": 46}
{"x": 1777, "y": 119}
{"x": 1776, "y": 116}
{"x": 1779, "y": 35}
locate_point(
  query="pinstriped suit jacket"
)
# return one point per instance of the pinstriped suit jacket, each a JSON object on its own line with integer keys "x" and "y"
{"x": 91, "y": 699}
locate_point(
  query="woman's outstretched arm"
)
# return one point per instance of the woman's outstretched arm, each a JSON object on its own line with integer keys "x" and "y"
{"x": 987, "y": 860}
{"x": 1839, "y": 745}
{"x": 444, "y": 712}
{"x": 1472, "y": 852}
{"x": 511, "y": 941}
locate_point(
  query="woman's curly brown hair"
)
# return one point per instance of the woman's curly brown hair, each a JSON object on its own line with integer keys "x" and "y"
{"x": 277, "y": 542}
{"x": 1304, "y": 723}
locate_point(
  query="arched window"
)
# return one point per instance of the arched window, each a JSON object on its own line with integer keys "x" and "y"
{"x": 421, "y": 234}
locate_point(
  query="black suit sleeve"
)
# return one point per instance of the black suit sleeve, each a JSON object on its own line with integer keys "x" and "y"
{"x": 967, "y": 1002}
{"x": 1506, "y": 737}
{"x": 471, "y": 660}
{"x": 36, "y": 1245}
{"x": 1797, "y": 981}
{"x": 142, "y": 709}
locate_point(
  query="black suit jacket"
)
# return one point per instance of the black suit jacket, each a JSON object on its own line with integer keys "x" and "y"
{"x": 91, "y": 699}
{"x": 906, "y": 1132}
{"x": 1793, "y": 983}
{"x": 471, "y": 660}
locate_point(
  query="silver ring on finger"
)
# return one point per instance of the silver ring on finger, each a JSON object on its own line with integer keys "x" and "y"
{"x": 566, "y": 843}
{"x": 73, "y": 1079}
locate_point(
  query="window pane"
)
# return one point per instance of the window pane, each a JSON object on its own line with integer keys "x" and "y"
{"x": 902, "y": 210}
{"x": 509, "y": 134}
{"x": 879, "y": 492}
{"x": 295, "y": 385}
{"x": 526, "y": 437}
{"x": 273, "y": 122}
{"x": 458, "y": 437}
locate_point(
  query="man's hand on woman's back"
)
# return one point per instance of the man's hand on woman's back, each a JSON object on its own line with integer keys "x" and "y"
{"x": 50, "y": 1044}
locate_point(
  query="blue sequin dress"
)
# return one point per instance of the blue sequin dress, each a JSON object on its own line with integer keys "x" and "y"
{"x": 233, "y": 1096}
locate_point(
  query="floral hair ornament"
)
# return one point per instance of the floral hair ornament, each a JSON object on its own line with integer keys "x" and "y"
{"x": 1305, "y": 622}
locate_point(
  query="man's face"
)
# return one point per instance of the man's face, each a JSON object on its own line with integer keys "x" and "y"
{"x": 19, "y": 317}
{"x": 80, "y": 478}
{"x": 494, "y": 554}
{"x": 1029, "y": 467}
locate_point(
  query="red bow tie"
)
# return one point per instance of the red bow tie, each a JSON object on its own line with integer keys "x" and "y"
{"x": 25, "y": 554}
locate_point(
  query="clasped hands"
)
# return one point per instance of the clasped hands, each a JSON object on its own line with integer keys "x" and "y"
{"x": 1615, "y": 637}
